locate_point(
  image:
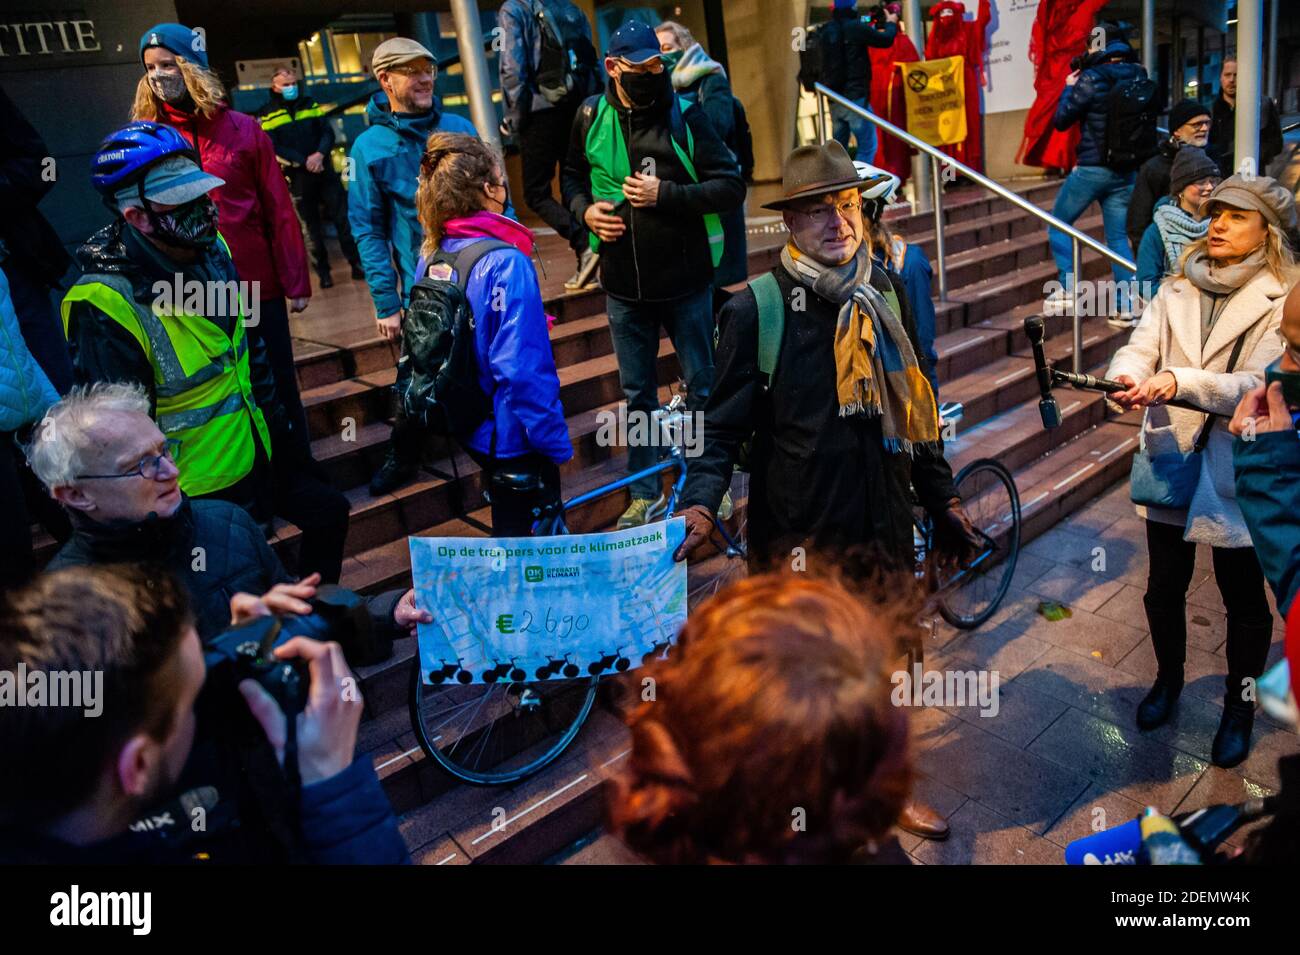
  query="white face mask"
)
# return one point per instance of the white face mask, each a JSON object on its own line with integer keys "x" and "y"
{"x": 170, "y": 87}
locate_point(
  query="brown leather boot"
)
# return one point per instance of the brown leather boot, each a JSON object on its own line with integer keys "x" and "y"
{"x": 920, "y": 820}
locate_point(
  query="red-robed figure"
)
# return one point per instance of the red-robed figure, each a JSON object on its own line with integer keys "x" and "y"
{"x": 953, "y": 35}
{"x": 887, "y": 99}
{"x": 1061, "y": 30}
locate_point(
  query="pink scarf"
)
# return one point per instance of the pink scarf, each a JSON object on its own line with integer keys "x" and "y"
{"x": 484, "y": 223}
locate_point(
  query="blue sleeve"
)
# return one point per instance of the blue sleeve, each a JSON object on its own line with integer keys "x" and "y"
{"x": 1267, "y": 473}
{"x": 1074, "y": 101}
{"x": 35, "y": 392}
{"x": 368, "y": 215}
{"x": 518, "y": 350}
{"x": 347, "y": 820}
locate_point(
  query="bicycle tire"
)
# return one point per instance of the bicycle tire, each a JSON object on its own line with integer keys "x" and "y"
{"x": 528, "y": 747}
{"x": 1008, "y": 539}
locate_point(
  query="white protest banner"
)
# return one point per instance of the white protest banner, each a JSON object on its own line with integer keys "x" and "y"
{"x": 535, "y": 608}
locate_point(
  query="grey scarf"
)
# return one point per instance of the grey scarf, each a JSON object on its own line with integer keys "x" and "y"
{"x": 1223, "y": 279}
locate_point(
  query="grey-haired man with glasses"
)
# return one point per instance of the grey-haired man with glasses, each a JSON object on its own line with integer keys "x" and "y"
{"x": 102, "y": 457}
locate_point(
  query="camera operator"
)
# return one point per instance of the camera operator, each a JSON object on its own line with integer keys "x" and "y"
{"x": 105, "y": 460}
{"x": 80, "y": 775}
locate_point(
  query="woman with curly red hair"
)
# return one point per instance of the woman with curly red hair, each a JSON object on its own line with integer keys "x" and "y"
{"x": 771, "y": 737}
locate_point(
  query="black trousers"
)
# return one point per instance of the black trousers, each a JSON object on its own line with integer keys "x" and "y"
{"x": 1241, "y": 583}
{"x": 314, "y": 192}
{"x": 512, "y": 504}
{"x": 543, "y": 145}
{"x": 22, "y": 500}
{"x": 273, "y": 329}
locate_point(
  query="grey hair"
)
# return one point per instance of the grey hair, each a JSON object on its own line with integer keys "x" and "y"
{"x": 682, "y": 35}
{"x": 56, "y": 451}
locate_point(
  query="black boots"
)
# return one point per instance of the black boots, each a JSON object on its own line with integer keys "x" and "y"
{"x": 1169, "y": 640}
{"x": 396, "y": 470}
{"x": 1232, "y": 741}
{"x": 1159, "y": 704}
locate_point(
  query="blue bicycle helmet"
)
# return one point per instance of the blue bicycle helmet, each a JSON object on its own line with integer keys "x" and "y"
{"x": 125, "y": 156}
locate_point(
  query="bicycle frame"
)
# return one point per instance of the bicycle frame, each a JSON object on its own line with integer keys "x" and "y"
{"x": 551, "y": 521}
{"x": 926, "y": 527}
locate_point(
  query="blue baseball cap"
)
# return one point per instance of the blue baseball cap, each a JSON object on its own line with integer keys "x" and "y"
{"x": 634, "y": 41}
{"x": 177, "y": 38}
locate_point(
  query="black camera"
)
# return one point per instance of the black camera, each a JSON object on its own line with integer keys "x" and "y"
{"x": 877, "y": 16}
{"x": 245, "y": 652}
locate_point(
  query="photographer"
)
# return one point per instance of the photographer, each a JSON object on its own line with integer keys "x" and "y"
{"x": 105, "y": 460}
{"x": 77, "y": 783}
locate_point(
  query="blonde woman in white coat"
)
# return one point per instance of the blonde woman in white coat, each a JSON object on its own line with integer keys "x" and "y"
{"x": 1230, "y": 285}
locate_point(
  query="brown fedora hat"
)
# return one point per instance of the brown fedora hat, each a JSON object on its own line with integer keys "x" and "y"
{"x": 815, "y": 170}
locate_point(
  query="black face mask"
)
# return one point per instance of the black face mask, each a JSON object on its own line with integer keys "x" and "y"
{"x": 191, "y": 226}
{"x": 644, "y": 90}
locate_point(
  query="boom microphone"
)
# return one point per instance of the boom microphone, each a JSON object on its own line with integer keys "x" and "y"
{"x": 1202, "y": 829}
{"x": 1119, "y": 846}
{"x": 1048, "y": 409}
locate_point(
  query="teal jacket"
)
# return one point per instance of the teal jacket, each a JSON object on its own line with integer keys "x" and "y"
{"x": 384, "y": 168}
{"x": 1267, "y": 473}
{"x": 25, "y": 391}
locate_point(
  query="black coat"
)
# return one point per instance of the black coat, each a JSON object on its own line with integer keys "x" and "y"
{"x": 664, "y": 254}
{"x": 845, "y": 60}
{"x": 297, "y": 139}
{"x": 1151, "y": 186}
{"x": 816, "y": 477}
{"x": 1223, "y": 134}
{"x": 235, "y": 558}
{"x": 27, "y": 240}
{"x": 1087, "y": 103}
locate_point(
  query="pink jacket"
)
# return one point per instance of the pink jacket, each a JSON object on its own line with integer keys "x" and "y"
{"x": 254, "y": 210}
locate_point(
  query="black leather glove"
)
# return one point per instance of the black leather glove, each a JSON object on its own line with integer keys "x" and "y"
{"x": 955, "y": 534}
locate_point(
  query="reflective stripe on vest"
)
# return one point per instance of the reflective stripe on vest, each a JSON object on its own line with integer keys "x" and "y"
{"x": 201, "y": 379}
{"x": 607, "y": 155}
{"x": 281, "y": 117}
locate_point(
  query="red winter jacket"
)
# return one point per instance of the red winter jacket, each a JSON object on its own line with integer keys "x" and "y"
{"x": 254, "y": 210}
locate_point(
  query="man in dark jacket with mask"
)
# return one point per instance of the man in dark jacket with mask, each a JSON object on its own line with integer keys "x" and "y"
{"x": 1086, "y": 101}
{"x": 650, "y": 178}
{"x": 837, "y": 428}
{"x": 303, "y": 138}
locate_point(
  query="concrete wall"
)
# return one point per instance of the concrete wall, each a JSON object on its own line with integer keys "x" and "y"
{"x": 74, "y": 99}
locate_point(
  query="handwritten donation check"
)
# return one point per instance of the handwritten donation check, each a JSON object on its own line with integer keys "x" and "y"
{"x": 523, "y": 609}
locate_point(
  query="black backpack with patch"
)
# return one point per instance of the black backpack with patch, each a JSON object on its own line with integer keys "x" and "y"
{"x": 567, "y": 61}
{"x": 1131, "y": 135}
{"x": 437, "y": 376}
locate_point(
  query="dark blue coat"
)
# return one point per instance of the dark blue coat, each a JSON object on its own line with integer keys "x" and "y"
{"x": 1086, "y": 103}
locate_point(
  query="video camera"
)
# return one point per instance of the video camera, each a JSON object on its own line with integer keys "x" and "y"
{"x": 878, "y": 15}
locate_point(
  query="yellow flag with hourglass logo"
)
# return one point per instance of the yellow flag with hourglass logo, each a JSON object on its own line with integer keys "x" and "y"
{"x": 936, "y": 99}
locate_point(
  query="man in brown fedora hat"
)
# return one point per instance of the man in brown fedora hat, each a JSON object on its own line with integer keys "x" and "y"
{"x": 820, "y": 371}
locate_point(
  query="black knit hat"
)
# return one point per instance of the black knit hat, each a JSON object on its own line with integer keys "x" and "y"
{"x": 1184, "y": 112}
{"x": 1190, "y": 165}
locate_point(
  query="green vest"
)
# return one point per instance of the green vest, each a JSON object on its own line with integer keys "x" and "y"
{"x": 201, "y": 380}
{"x": 608, "y": 157}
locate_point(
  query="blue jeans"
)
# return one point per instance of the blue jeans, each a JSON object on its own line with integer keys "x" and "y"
{"x": 845, "y": 124}
{"x": 634, "y": 327}
{"x": 1114, "y": 191}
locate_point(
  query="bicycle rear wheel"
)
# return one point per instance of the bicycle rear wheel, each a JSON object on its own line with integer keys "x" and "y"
{"x": 491, "y": 734}
{"x": 972, "y": 595}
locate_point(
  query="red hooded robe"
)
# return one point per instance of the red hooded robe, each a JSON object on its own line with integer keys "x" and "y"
{"x": 887, "y": 100}
{"x": 953, "y": 35}
{"x": 1061, "y": 31}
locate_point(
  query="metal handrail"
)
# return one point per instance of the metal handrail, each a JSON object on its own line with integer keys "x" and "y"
{"x": 1077, "y": 238}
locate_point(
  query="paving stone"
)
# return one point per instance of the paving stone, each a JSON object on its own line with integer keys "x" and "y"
{"x": 1093, "y": 811}
{"x": 1025, "y": 787}
{"x": 1224, "y": 786}
{"x": 1022, "y": 713}
{"x": 1076, "y": 588}
{"x": 982, "y": 836}
{"x": 1119, "y": 759}
{"x": 1083, "y": 633}
{"x": 1086, "y": 684}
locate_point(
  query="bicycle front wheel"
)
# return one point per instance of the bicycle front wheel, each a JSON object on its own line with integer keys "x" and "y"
{"x": 492, "y": 734}
{"x": 971, "y": 596}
